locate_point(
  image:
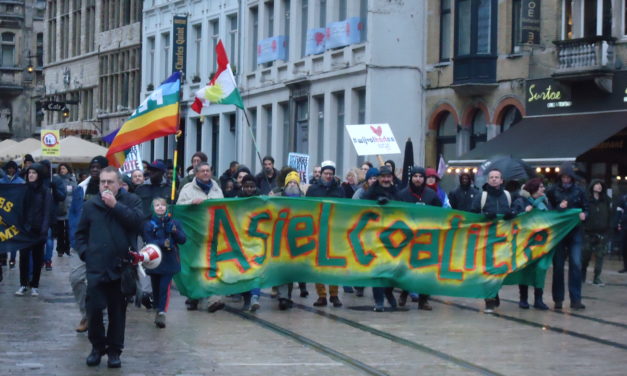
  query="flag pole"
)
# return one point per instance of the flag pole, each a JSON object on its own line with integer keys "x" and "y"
{"x": 250, "y": 129}
{"x": 176, "y": 145}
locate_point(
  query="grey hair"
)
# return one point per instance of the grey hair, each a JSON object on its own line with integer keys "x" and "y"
{"x": 110, "y": 169}
{"x": 201, "y": 164}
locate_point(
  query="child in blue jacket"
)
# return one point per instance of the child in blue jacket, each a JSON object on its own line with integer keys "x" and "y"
{"x": 167, "y": 233}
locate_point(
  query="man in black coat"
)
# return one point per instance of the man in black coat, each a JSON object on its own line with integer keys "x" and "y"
{"x": 566, "y": 194}
{"x": 328, "y": 186}
{"x": 417, "y": 192}
{"x": 493, "y": 201}
{"x": 266, "y": 180}
{"x": 461, "y": 197}
{"x": 107, "y": 231}
{"x": 158, "y": 187}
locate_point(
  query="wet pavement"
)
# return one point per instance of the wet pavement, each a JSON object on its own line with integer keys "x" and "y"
{"x": 37, "y": 336}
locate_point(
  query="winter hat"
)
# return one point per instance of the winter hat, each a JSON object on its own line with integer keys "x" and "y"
{"x": 10, "y": 164}
{"x": 327, "y": 165}
{"x": 157, "y": 165}
{"x": 432, "y": 172}
{"x": 102, "y": 161}
{"x": 292, "y": 176}
{"x": 372, "y": 172}
{"x": 418, "y": 170}
{"x": 248, "y": 177}
{"x": 385, "y": 170}
{"x": 28, "y": 158}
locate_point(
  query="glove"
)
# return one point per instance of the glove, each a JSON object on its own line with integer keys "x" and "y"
{"x": 136, "y": 258}
{"x": 490, "y": 215}
{"x": 382, "y": 200}
{"x": 509, "y": 215}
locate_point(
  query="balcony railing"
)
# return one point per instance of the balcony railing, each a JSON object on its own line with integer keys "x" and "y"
{"x": 585, "y": 55}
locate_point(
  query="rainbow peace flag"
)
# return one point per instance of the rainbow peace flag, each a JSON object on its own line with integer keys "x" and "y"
{"x": 157, "y": 116}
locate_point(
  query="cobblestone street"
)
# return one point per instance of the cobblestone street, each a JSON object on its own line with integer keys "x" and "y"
{"x": 37, "y": 336}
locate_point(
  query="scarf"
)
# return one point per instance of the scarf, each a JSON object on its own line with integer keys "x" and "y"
{"x": 538, "y": 203}
{"x": 206, "y": 187}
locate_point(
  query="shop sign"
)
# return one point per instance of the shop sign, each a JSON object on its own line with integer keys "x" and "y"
{"x": 530, "y": 22}
{"x": 179, "y": 40}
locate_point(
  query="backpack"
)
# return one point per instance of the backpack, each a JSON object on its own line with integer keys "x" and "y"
{"x": 484, "y": 198}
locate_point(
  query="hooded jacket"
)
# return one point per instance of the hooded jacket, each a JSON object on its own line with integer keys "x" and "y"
{"x": 420, "y": 195}
{"x": 496, "y": 201}
{"x": 573, "y": 194}
{"x": 461, "y": 197}
{"x": 320, "y": 190}
{"x": 376, "y": 192}
{"x": 37, "y": 204}
{"x": 599, "y": 210}
{"x": 159, "y": 231}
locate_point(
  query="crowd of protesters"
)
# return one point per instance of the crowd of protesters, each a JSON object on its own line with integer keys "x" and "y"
{"x": 105, "y": 217}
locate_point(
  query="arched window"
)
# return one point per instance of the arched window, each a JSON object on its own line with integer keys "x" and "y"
{"x": 478, "y": 128}
{"x": 511, "y": 116}
{"x": 447, "y": 137}
{"x": 7, "y": 53}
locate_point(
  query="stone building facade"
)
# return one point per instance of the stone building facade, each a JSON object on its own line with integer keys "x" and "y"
{"x": 92, "y": 64}
{"x": 21, "y": 64}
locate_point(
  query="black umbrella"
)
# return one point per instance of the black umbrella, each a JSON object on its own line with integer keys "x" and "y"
{"x": 511, "y": 168}
{"x": 408, "y": 162}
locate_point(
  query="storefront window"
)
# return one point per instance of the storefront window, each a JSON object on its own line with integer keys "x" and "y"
{"x": 447, "y": 137}
{"x": 479, "y": 130}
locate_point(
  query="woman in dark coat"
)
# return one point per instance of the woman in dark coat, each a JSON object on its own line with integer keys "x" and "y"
{"x": 167, "y": 233}
{"x": 37, "y": 209}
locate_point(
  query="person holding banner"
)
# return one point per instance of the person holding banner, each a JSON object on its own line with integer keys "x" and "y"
{"x": 417, "y": 192}
{"x": 328, "y": 186}
{"x": 267, "y": 179}
{"x": 12, "y": 177}
{"x": 493, "y": 201}
{"x": 382, "y": 191}
{"x": 201, "y": 188}
{"x": 37, "y": 215}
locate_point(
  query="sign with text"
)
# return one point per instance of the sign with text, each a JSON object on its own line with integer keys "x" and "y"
{"x": 50, "y": 143}
{"x": 271, "y": 49}
{"x": 530, "y": 22}
{"x": 299, "y": 162}
{"x": 235, "y": 245}
{"x": 132, "y": 161}
{"x": 373, "y": 139}
{"x": 179, "y": 39}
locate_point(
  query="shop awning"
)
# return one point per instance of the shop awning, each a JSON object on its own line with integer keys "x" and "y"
{"x": 548, "y": 139}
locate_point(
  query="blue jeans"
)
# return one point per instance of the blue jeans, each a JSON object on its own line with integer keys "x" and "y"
{"x": 49, "y": 246}
{"x": 569, "y": 247}
{"x": 379, "y": 293}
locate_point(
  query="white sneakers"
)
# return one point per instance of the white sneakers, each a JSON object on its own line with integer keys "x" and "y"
{"x": 23, "y": 290}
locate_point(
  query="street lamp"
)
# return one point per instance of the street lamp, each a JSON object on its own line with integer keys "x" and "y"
{"x": 30, "y": 68}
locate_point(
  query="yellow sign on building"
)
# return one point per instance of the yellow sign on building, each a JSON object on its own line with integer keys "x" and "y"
{"x": 50, "y": 143}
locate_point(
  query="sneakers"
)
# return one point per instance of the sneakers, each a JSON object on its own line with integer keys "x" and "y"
{"x": 284, "y": 304}
{"x": 321, "y": 302}
{"x": 490, "y": 305}
{"x": 523, "y": 304}
{"x": 22, "y": 291}
{"x": 425, "y": 306}
{"x": 215, "y": 306}
{"x": 160, "y": 320}
{"x": 539, "y": 304}
{"x": 82, "y": 326}
{"x": 379, "y": 308}
{"x": 577, "y": 305}
{"x": 34, "y": 291}
{"x": 336, "y": 301}
{"x": 558, "y": 305}
{"x": 254, "y": 303}
{"x": 12, "y": 264}
{"x": 192, "y": 304}
{"x": 598, "y": 282}
{"x": 48, "y": 265}
{"x": 304, "y": 293}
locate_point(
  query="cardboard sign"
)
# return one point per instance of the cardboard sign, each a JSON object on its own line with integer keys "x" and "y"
{"x": 373, "y": 139}
{"x": 299, "y": 162}
{"x": 50, "y": 143}
{"x": 133, "y": 161}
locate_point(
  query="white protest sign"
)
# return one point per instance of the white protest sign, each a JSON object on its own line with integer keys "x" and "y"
{"x": 133, "y": 161}
{"x": 373, "y": 139}
{"x": 299, "y": 162}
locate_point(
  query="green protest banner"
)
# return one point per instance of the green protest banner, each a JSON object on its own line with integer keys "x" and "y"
{"x": 234, "y": 245}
